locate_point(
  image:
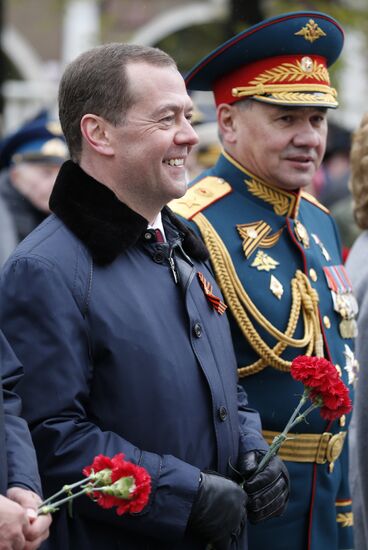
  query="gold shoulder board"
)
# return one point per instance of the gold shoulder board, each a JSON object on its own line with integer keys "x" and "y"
{"x": 313, "y": 200}
{"x": 199, "y": 196}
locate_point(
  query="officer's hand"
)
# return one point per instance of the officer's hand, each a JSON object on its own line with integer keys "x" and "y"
{"x": 219, "y": 511}
{"x": 268, "y": 491}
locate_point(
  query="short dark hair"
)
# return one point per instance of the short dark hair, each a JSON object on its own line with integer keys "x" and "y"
{"x": 97, "y": 82}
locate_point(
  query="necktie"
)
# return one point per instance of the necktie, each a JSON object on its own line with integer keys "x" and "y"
{"x": 159, "y": 236}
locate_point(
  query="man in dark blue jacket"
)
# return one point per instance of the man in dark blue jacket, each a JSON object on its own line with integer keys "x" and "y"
{"x": 19, "y": 479}
{"x": 113, "y": 309}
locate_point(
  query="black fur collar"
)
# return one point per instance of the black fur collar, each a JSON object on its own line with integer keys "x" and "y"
{"x": 104, "y": 224}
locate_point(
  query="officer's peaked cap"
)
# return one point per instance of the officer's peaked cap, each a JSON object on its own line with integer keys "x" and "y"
{"x": 37, "y": 140}
{"x": 282, "y": 61}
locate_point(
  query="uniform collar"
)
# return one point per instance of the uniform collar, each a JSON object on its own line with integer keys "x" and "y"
{"x": 104, "y": 224}
{"x": 282, "y": 202}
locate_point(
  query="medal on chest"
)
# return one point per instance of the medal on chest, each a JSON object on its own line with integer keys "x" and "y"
{"x": 344, "y": 301}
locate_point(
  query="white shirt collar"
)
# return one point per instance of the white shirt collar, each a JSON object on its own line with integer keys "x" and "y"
{"x": 157, "y": 224}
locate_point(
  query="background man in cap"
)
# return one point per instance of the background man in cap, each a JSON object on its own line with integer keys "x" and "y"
{"x": 30, "y": 159}
{"x": 276, "y": 253}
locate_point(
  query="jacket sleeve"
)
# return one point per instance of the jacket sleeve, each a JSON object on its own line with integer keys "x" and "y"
{"x": 19, "y": 451}
{"x": 42, "y": 320}
{"x": 250, "y": 426}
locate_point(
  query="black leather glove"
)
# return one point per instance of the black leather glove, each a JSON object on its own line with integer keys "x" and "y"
{"x": 219, "y": 511}
{"x": 268, "y": 491}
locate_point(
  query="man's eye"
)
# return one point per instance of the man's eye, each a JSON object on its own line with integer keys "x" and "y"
{"x": 167, "y": 119}
{"x": 318, "y": 119}
{"x": 286, "y": 118}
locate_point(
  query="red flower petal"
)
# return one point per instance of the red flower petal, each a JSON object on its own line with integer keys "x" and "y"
{"x": 321, "y": 377}
{"x": 121, "y": 468}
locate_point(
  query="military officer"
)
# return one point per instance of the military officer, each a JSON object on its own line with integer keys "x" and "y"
{"x": 276, "y": 253}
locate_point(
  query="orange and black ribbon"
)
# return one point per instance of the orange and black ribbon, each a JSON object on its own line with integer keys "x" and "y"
{"x": 215, "y": 301}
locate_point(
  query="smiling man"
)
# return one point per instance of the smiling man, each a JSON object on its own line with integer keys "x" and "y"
{"x": 276, "y": 254}
{"x": 115, "y": 314}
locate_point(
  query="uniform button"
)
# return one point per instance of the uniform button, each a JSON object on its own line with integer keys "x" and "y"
{"x": 313, "y": 274}
{"x": 197, "y": 330}
{"x": 326, "y": 321}
{"x": 342, "y": 421}
{"x": 148, "y": 236}
{"x": 222, "y": 412}
{"x": 158, "y": 257}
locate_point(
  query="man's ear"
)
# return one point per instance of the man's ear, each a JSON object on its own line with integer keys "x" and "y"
{"x": 226, "y": 122}
{"x": 95, "y": 131}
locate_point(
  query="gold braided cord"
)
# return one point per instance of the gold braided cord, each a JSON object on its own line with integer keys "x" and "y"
{"x": 304, "y": 301}
{"x": 299, "y": 98}
{"x": 261, "y": 89}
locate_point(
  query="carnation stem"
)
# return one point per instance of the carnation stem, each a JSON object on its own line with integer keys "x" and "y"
{"x": 52, "y": 507}
{"x": 64, "y": 489}
{"x": 280, "y": 438}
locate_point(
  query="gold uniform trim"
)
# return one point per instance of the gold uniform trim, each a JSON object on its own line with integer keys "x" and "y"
{"x": 319, "y": 448}
{"x": 294, "y": 72}
{"x": 299, "y": 98}
{"x": 261, "y": 89}
{"x": 347, "y": 502}
{"x": 304, "y": 303}
{"x": 312, "y": 199}
{"x": 346, "y": 520}
{"x": 199, "y": 196}
{"x": 283, "y": 202}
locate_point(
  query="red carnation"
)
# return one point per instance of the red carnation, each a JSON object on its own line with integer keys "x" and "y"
{"x": 100, "y": 462}
{"x": 129, "y": 485}
{"x": 109, "y": 482}
{"x": 326, "y": 389}
{"x": 323, "y": 386}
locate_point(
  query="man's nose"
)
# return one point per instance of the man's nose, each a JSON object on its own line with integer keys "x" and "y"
{"x": 186, "y": 134}
{"x": 307, "y": 136}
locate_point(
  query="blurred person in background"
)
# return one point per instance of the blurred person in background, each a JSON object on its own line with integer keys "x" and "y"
{"x": 8, "y": 238}
{"x": 357, "y": 267}
{"x": 205, "y": 153}
{"x": 331, "y": 181}
{"x": 331, "y": 184}
{"x": 30, "y": 159}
